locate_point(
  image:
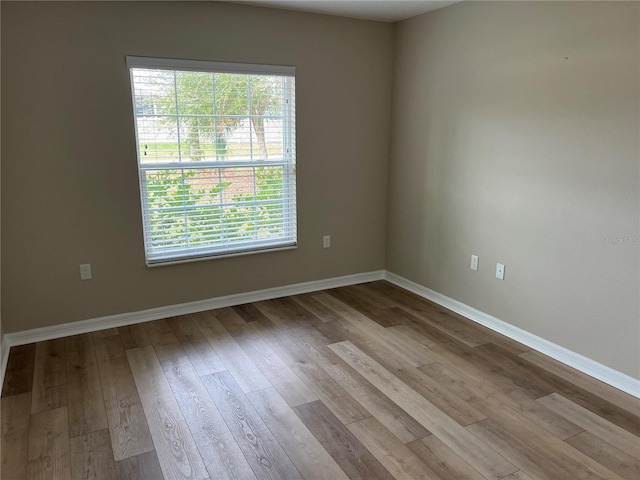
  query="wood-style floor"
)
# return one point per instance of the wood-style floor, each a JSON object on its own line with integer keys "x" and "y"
{"x": 362, "y": 382}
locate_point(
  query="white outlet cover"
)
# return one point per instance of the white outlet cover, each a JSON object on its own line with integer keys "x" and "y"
{"x": 500, "y": 271}
{"x": 474, "y": 262}
{"x": 85, "y": 271}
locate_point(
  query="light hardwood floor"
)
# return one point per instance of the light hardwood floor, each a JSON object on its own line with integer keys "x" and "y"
{"x": 362, "y": 382}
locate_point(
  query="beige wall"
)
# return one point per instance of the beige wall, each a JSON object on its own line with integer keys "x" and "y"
{"x": 1, "y": 330}
{"x": 2, "y": 367}
{"x": 516, "y": 138}
{"x": 69, "y": 183}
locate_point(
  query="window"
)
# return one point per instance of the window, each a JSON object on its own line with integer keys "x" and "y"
{"x": 216, "y": 157}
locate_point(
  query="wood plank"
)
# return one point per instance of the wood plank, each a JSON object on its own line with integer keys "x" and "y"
{"x": 407, "y": 349}
{"x": 496, "y": 369}
{"x": 378, "y": 312}
{"x": 442, "y": 460}
{"x": 134, "y": 336}
{"x": 484, "y": 459}
{"x": 384, "y": 345}
{"x": 391, "y": 452}
{"x": 220, "y": 452}
{"x": 306, "y": 453}
{"x": 285, "y": 313}
{"x": 141, "y": 467}
{"x": 48, "y": 453}
{"x": 525, "y": 457}
{"x": 91, "y": 456}
{"x": 370, "y": 295}
{"x": 165, "y": 343}
{"x": 518, "y": 476}
{"x": 177, "y": 452}
{"x": 348, "y": 452}
{"x": 349, "y": 313}
{"x": 607, "y": 431}
{"x": 487, "y": 398}
{"x": 84, "y": 391}
{"x": 204, "y": 359}
{"x": 462, "y": 412}
{"x": 128, "y": 427}
{"x": 322, "y": 312}
{"x": 107, "y": 332}
{"x": 249, "y": 312}
{"x": 285, "y": 381}
{"x": 606, "y": 454}
{"x": 49, "y": 378}
{"x": 518, "y": 368}
{"x": 394, "y": 418}
{"x": 405, "y": 427}
{"x": 18, "y": 377}
{"x": 435, "y": 392}
{"x": 473, "y": 385}
{"x": 298, "y": 311}
{"x": 16, "y": 414}
{"x": 554, "y": 449}
{"x": 455, "y": 355}
{"x": 260, "y": 448}
{"x": 244, "y": 371}
{"x": 464, "y": 374}
{"x": 544, "y": 417}
{"x": 334, "y": 396}
{"x": 449, "y": 323}
{"x": 585, "y": 382}
{"x": 376, "y": 337}
{"x": 445, "y": 320}
{"x": 407, "y": 299}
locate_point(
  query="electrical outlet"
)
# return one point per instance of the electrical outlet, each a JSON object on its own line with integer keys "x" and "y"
{"x": 85, "y": 271}
{"x": 474, "y": 262}
{"x": 326, "y": 241}
{"x": 500, "y": 271}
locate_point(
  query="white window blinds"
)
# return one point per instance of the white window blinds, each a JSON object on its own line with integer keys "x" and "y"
{"x": 216, "y": 157}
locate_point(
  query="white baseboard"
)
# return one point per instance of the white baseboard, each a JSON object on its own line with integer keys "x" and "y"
{"x": 597, "y": 370}
{"x": 122, "y": 319}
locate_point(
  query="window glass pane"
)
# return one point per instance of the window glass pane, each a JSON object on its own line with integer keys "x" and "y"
{"x": 266, "y": 95}
{"x": 154, "y": 92}
{"x": 205, "y": 225}
{"x": 194, "y": 93}
{"x": 265, "y": 101}
{"x": 155, "y": 116}
{"x": 194, "y": 96}
{"x": 274, "y": 134}
{"x": 165, "y": 196}
{"x": 158, "y": 139}
{"x": 224, "y": 204}
{"x": 233, "y": 134}
{"x": 236, "y": 138}
{"x": 240, "y": 184}
{"x": 232, "y": 94}
{"x": 197, "y": 139}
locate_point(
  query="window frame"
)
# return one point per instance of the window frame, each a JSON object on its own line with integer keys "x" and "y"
{"x": 288, "y": 163}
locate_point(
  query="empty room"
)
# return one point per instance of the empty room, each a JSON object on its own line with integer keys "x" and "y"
{"x": 320, "y": 240}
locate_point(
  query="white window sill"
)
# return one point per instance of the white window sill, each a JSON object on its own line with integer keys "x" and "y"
{"x": 164, "y": 263}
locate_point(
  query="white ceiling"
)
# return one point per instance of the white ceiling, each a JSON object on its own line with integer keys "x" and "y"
{"x": 383, "y": 10}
